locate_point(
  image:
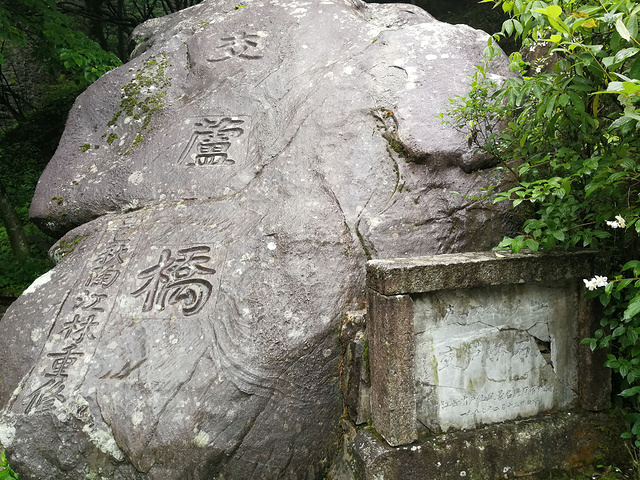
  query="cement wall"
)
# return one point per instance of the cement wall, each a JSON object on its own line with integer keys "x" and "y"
{"x": 480, "y": 350}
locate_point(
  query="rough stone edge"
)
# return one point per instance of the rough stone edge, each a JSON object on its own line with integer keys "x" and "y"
{"x": 397, "y": 276}
{"x": 391, "y": 360}
{"x": 594, "y": 389}
{"x": 531, "y": 448}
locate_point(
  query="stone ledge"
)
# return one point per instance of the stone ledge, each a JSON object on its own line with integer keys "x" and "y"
{"x": 398, "y": 276}
{"x": 531, "y": 448}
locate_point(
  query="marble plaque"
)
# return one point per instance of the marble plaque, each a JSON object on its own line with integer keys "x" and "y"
{"x": 490, "y": 354}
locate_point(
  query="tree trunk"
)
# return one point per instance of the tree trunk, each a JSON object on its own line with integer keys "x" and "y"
{"x": 17, "y": 238}
{"x": 96, "y": 22}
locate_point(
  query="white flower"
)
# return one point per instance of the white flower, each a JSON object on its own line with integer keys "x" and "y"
{"x": 619, "y": 222}
{"x": 595, "y": 282}
{"x": 601, "y": 281}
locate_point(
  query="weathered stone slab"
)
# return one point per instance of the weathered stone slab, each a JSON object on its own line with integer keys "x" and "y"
{"x": 468, "y": 356}
{"x": 539, "y": 448}
{"x": 395, "y": 276}
{"x": 491, "y": 354}
{"x": 391, "y": 340}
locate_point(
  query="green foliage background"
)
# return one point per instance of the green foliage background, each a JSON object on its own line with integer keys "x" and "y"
{"x": 566, "y": 132}
{"x": 24, "y": 151}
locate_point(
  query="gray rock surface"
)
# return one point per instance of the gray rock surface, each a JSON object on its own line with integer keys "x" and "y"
{"x": 221, "y": 193}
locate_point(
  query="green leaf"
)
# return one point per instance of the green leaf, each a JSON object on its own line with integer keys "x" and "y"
{"x": 532, "y": 244}
{"x": 619, "y": 331}
{"x": 632, "y": 26}
{"x": 517, "y": 244}
{"x": 518, "y": 26}
{"x": 563, "y": 100}
{"x": 615, "y": 87}
{"x": 633, "y": 309}
{"x": 623, "y": 284}
{"x": 634, "y": 71}
{"x": 631, "y": 88}
{"x": 626, "y": 53}
{"x": 590, "y": 9}
{"x": 553, "y": 11}
{"x": 623, "y": 120}
{"x": 507, "y": 27}
{"x": 558, "y": 25}
{"x": 622, "y": 29}
{"x": 576, "y": 101}
{"x": 632, "y": 264}
{"x": 608, "y": 61}
{"x": 624, "y": 370}
{"x": 609, "y": 288}
{"x": 612, "y": 363}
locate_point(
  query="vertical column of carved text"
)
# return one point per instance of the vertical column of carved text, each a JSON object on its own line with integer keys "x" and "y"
{"x": 82, "y": 315}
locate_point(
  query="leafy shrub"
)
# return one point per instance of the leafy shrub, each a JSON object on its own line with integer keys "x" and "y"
{"x": 565, "y": 129}
{"x": 6, "y": 473}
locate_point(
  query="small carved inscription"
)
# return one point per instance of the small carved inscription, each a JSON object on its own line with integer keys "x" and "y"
{"x": 106, "y": 267}
{"x": 88, "y": 300}
{"x": 43, "y": 397}
{"x": 241, "y": 45}
{"x": 211, "y": 140}
{"x": 86, "y": 313}
{"x": 500, "y": 400}
{"x": 79, "y": 327}
{"x": 487, "y": 355}
{"x": 175, "y": 279}
{"x": 63, "y": 360}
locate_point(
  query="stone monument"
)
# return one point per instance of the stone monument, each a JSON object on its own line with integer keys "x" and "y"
{"x": 476, "y": 370}
{"x": 464, "y": 340}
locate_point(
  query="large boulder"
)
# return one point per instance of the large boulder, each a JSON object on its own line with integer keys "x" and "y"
{"x": 221, "y": 193}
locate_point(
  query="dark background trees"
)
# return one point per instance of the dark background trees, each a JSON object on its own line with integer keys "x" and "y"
{"x": 50, "y": 51}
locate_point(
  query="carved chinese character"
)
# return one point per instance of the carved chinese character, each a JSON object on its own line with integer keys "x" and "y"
{"x": 106, "y": 267}
{"x": 174, "y": 280}
{"x": 103, "y": 278}
{"x": 78, "y": 328}
{"x": 210, "y": 142}
{"x": 447, "y": 359}
{"x": 523, "y": 348}
{"x": 89, "y": 301}
{"x": 242, "y": 45}
{"x": 111, "y": 254}
{"x": 42, "y": 398}
{"x": 63, "y": 360}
